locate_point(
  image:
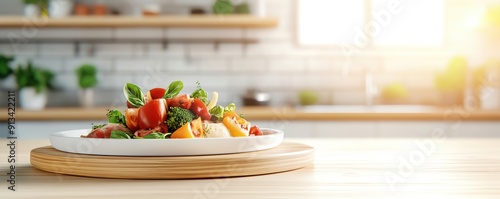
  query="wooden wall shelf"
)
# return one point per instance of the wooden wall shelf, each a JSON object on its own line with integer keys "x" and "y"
{"x": 202, "y": 21}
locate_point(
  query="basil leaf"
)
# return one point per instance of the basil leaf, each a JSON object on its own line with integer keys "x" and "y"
{"x": 200, "y": 94}
{"x": 116, "y": 117}
{"x": 134, "y": 95}
{"x": 173, "y": 89}
{"x": 217, "y": 111}
{"x": 230, "y": 107}
{"x": 155, "y": 136}
{"x": 97, "y": 126}
{"x": 116, "y": 134}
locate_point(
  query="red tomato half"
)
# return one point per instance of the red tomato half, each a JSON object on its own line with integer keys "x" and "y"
{"x": 199, "y": 109}
{"x": 183, "y": 101}
{"x": 131, "y": 118}
{"x": 152, "y": 114}
{"x": 255, "y": 131}
{"x": 156, "y": 93}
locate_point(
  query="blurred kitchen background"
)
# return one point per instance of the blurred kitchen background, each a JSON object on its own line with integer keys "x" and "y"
{"x": 412, "y": 55}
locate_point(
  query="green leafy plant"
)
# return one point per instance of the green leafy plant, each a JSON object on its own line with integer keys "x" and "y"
{"x": 242, "y": 8}
{"x": 223, "y": 7}
{"x": 87, "y": 76}
{"x": 31, "y": 1}
{"x": 5, "y": 69}
{"x": 30, "y": 76}
{"x": 453, "y": 78}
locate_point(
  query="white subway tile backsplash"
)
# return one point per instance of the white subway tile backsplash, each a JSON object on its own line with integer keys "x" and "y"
{"x": 102, "y": 65}
{"x": 56, "y": 50}
{"x": 202, "y": 33}
{"x": 267, "y": 49}
{"x": 183, "y": 64}
{"x": 158, "y": 79}
{"x": 169, "y": 50}
{"x": 266, "y": 81}
{"x": 249, "y": 64}
{"x": 19, "y": 49}
{"x": 229, "y": 49}
{"x": 354, "y": 82}
{"x": 113, "y": 81}
{"x": 139, "y": 33}
{"x": 66, "y": 81}
{"x": 52, "y": 64}
{"x": 319, "y": 65}
{"x": 141, "y": 66}
{"x": 200, "y": 49}
{"x": 208, "y": 65}
{"x": 118, "y": 49}
{"x": 282, "y": 64}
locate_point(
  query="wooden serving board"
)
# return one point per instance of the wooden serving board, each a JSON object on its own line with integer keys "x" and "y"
{"x": 285, "y": 157}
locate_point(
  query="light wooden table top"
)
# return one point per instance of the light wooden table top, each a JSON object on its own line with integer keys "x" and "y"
{"x": 344, "y": 168}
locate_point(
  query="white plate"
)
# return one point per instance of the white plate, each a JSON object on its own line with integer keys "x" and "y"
{"x": 70, "y": 141}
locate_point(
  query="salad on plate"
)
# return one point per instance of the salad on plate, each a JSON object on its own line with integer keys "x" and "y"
{"x": 165, "y": 113}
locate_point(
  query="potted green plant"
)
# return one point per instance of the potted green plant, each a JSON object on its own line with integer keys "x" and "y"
{"x": 451, "y": 83}
{"x": 87, "y": 79}
{"x": 31, "y": 8}
{"x": 5, "y": 69}
{"x": 33, "y": 84}
{"x": 223, "y": 7}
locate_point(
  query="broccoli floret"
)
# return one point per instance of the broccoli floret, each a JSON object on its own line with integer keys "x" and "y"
{"x": 176, "y": 117}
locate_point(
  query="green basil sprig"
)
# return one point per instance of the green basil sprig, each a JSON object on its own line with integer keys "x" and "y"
{"x": 116, "y": 134}
{"x": 116, "y": 117}
{"x": 134, "y": 95}
{"x": 200, "y": 94}
{"x": 230, "y": 107}
{"x": 173, "y": 89}
{"x": 217, "y": 112}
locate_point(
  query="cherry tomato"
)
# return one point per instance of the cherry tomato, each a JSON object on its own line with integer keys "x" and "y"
{"x": 131, "y": 118}
{"x": 156, "y": 93}
{"x": 255, "y": 131}
{"x": 129, "y": 105}
{"x": 199, "y": 109}
{"x": 183, "y": 101}
{"x": 152, "y": 114}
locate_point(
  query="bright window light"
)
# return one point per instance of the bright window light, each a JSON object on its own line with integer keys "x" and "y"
{"x": 416, "y": 23}
{"x": 327, "y": 22}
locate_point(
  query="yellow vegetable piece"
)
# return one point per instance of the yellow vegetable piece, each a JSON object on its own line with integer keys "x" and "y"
{"x": 234, "y": 127}
{"x": 183, "y": 132}
{"x": 197, "y": 128}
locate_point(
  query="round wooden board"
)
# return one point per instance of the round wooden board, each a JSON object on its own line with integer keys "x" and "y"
{"x": 287, "y": 156}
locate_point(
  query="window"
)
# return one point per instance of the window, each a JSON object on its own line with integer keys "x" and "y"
{"x": 376, "y": 22}
{"x": 329, "y": 21}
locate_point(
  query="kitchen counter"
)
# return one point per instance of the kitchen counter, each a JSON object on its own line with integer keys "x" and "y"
{"x": 285, "y": 113}
{"x": 345, "y": 168}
